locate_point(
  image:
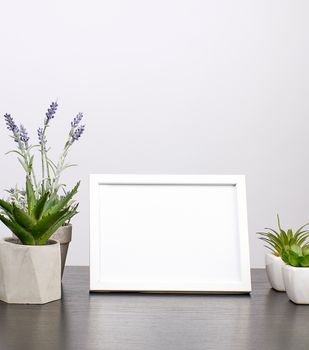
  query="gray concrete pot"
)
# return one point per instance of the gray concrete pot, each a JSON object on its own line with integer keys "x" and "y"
{"x": 29, "y": 274}
{"x": 64, "y": 236}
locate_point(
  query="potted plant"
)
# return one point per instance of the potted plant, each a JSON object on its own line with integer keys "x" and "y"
{"x": 296, "y": 273}
{"x": 276, "y": 242}
{"x": 50, "y": 171}
{"x": 30, "y": 262}
{"x": 30, "y": 267}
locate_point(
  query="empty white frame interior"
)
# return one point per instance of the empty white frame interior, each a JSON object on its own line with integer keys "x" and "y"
{"x": 169, "y": 233}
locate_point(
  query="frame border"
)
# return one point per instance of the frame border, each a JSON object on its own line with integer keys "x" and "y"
{"x": 237, "y": 180}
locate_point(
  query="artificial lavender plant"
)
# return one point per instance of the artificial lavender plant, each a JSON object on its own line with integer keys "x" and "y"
{"x": 33, "y": 214}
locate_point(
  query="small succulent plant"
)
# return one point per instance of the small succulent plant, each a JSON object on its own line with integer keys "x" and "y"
{"x": 296, "y": 255}
{"x": 281, "y": 240}
{"x": 43, "y": 217}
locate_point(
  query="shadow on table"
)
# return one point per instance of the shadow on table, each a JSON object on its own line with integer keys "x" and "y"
{"x": 40, "y": 327}
{"x": 278, "y": 323}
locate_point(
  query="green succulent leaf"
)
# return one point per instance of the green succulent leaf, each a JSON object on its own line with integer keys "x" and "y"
{"x": 272, "y": 230}
{"x": 63, "y": 202}
{"x": 51, "y": 201}
{"x": 294, "y": 256}
{"x": 285, "y": 257}
{"x": 304, "y": 261}
{"x": 46, "y": 222}
{"x": 284, "y": 237}
{"x": 38, "y": 209}
{"x": 290, "y": 235}
{"x": 305, "y": 250}
{"x": 294, "y": 259}
{"x": 30, "y": 195}
{"x": 300, "y": 230}
{"x": 273, "y": 251}
{"x": 6, "y": 206}
{"x": 278, "y": 220}
{"x": 296, "y": 249}
{"x": 286, "y": 244}
{"x": 44, "y": 237}
{"x": 35, "y": 226}
{"x": 271, "y": 236}
{"x": 276, "y": 247}
{"x": 23, "y": 218}
{"x": 19, "y": 231}
{"x": 303, "y": 239}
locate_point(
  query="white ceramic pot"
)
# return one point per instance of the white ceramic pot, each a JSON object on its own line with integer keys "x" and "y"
{"x": 29, "y": 274}
{"x": 296, "y": 281}
{"x": 274, "y": 265}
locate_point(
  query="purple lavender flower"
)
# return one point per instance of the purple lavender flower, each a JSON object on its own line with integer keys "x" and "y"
{"x": 78, "y": 133}
{"x": 10, "y": 123}
{"x": 40, "y": 137}
{"x": 77, "y": 120}
{"x": 50, "y": 114}
{"x": 12, "y": 126}
{"x": 24, "y": 136}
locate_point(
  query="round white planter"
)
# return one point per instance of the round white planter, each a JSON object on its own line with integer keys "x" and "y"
{"x": 29, "y": 274}
{"x": 274, "y": 265}
{"x": 296, "y": 281}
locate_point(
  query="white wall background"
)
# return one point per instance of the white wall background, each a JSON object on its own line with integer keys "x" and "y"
{"x": 166, "y": 86}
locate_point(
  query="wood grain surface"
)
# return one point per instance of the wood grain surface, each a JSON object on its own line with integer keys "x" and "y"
{"x": 264, "y": 320}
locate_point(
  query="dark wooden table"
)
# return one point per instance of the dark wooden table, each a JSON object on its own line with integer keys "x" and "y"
{"x": 265, "y": 320}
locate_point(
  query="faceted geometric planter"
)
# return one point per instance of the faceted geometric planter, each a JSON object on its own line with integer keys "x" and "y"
{"x": 29, "y": 274}
{"x": 64, "y": 236}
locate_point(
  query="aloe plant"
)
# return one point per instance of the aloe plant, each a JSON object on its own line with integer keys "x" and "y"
{"x": 44, "y": 215}
{"x": 281, "y": 240}
{"x": 296, "y": 255}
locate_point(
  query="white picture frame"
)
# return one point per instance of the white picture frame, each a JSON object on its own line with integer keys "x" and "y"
{"x": 169, "y": 233}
